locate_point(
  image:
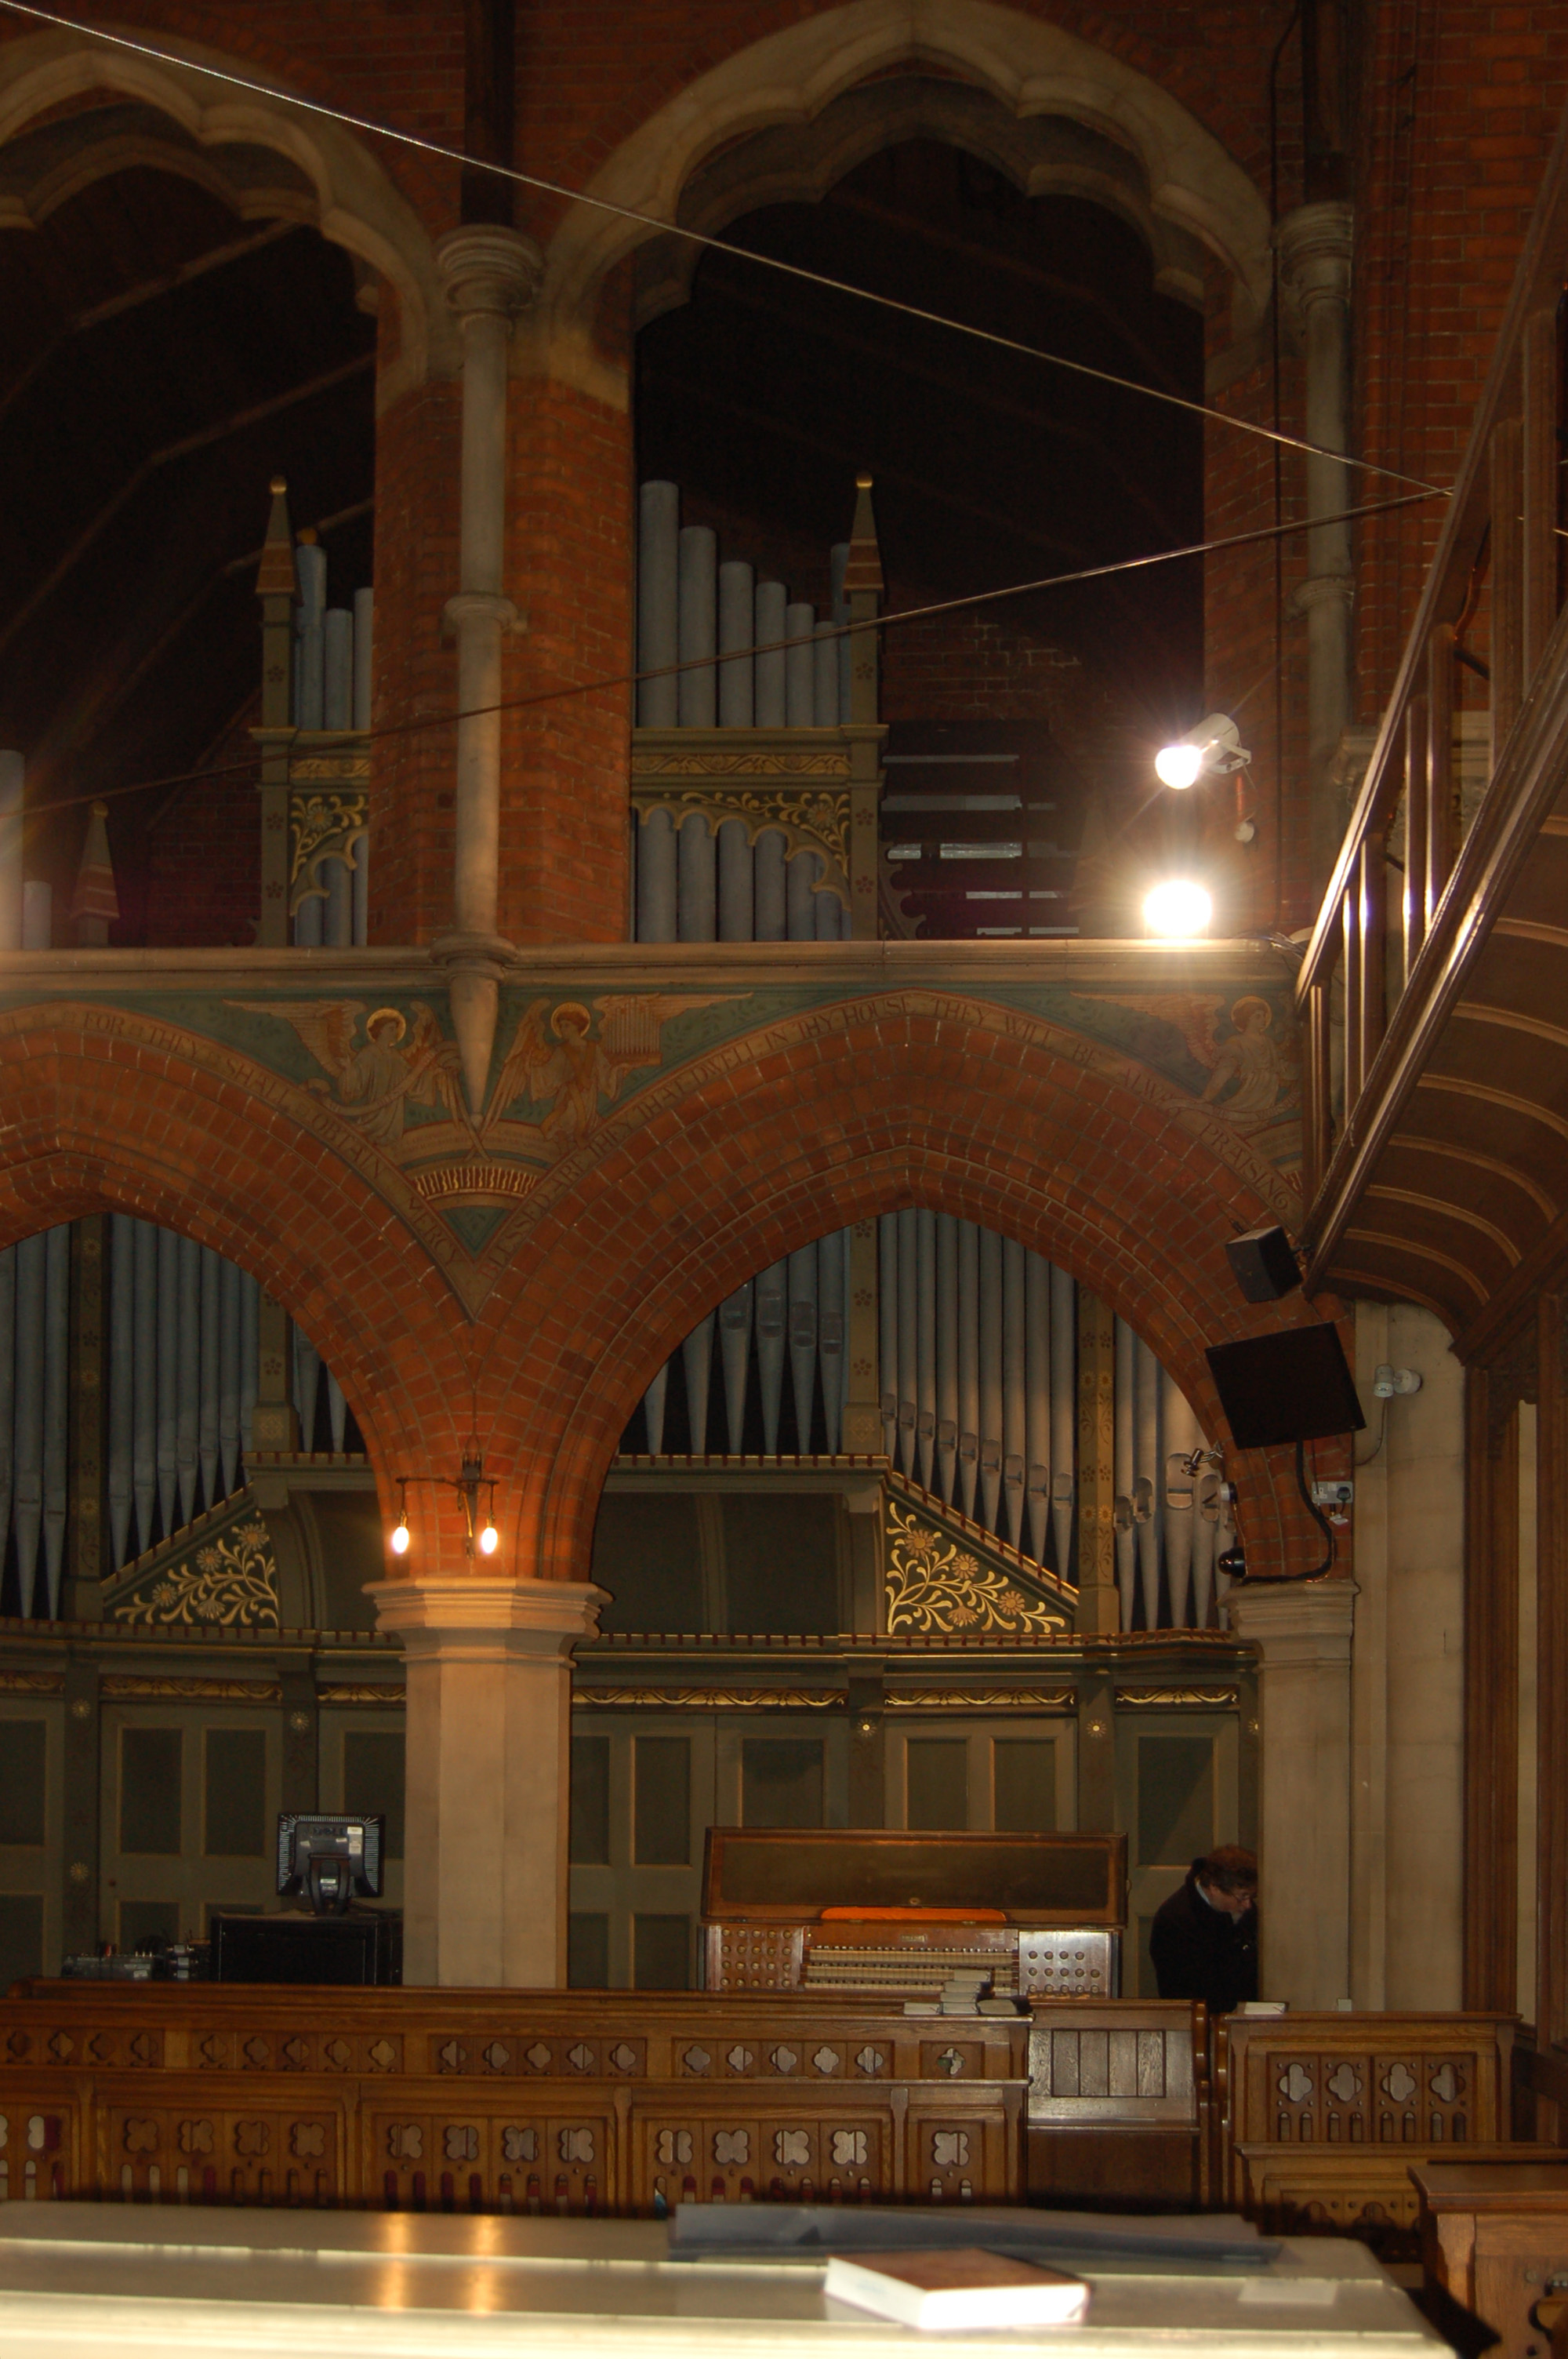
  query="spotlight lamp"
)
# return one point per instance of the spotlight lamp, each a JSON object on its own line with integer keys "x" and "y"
{"x": 1177, "y": 910}
{"x": 468, "y": 1482}
{"x": 1212, "y": 747}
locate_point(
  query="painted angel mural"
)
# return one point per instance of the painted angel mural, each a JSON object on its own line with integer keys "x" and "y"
{"x": 569, "y": 1057}
{"x": 375, "y": 1079}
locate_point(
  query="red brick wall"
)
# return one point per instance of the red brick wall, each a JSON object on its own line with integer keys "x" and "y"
{"x": 199, "y": 885}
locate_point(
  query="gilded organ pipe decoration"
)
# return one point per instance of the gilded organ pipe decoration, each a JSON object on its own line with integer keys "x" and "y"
{"x": 325, "y": 823}
{"x": 228, "y": 1584}
{"x": 933, "y": 1586}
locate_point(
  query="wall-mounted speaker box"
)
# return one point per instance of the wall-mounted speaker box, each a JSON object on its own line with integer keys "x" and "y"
{"x": 1295, "y": 1385}
{"x": 1264, "y": 1266}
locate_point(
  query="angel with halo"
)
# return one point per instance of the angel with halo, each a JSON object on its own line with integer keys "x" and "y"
{"x": 558, "y": 1060}
{"x": 1252, "y": 1072}
{"x": 372, "y": 1084}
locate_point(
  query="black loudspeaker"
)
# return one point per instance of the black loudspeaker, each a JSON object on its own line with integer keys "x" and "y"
{"x": 1264, "y": 1265}
{"x": 1291, "y": 1386}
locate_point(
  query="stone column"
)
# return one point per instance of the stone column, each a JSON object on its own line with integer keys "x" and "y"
{"x": 491, "y": 276}
{"x": 488, "y": 1777}
{"x": 1315, "y": 244}
{"x": 1301, "y": 1631}
{"x": 1408, "y": 1672}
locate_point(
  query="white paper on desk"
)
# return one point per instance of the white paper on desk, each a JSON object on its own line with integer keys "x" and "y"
{"x": 1304, "y": 2293}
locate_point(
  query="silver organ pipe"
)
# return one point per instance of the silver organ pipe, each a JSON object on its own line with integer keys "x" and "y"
{"x": 803, "y": 1322}
{"x": 1147, "y": 1471}
{"x": 908, "y": 1297}
{"x": 698, "y": 621}
{"x": 187, "y": 1377}
{"x": 1037, "y": 1399}
{"x": 1181, "y": 1437}
{"x": 209, "y": 1393}
{"x": 1063, "y": 1411}
{"x": 832, "y": 1329}
{"x": 773, "y": 1285}
{"x": 947, "y": 1438}
{"x": 167, "y": 1373}
{"x": 696, "y": 701}
{"x": 990, "y": 1379}
{"x": 697, "y": 1353}
{"x": 887, "y": 1327}
{"x": 968, "y": 1366}
{"x": 926, "y": 1346}
{"x": 1014, "y": 1392}
{"x": 332, "y": 690}
{"x": 735, "y": 1355}
{"x": 1126, "y": 1535}
{"x": 144, "y": 1380}
{"x": 737, "y": 593}
{"x": 230, "y": 1279}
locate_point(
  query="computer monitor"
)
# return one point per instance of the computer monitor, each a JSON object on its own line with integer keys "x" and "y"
{"x": 329, "y": 1856}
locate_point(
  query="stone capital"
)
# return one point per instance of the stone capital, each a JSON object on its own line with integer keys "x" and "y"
{"x": 1322, "y": 590}
{"x": 454, "y": 1617}
{"x": 1295, "y": 1624}
{"x": 1314, "y": 246}
{"x": 487, "y": 269}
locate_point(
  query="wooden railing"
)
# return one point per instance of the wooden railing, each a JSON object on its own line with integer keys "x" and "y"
{"x": 1438, "y": 794}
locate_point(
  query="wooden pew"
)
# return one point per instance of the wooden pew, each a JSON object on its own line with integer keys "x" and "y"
{"x": 561, "y": 2100}
{"x": 1320, "y": 2116}
{"x": 1495, "y": 2236}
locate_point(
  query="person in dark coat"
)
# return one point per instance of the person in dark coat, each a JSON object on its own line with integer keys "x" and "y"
{"x": 1203, "y": 1939}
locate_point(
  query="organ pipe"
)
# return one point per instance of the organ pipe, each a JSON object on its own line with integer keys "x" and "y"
{"x": 1147, "y": 1472}
{"x": 1013, "y": 1388}
{"x": 946, "y": 1436}
{"x": 188, "y": 1377}
{"x": 735, "y": 1354}
{"x": 925, "y": 1345}
{"x": 1037, "y": 1398}
{"x": 697, "y": 704}
{"x": 57, "y": 1406}
{"x": 772, "y": 1310}
{"x": 990, "y": 1379}
{"x": 29, "y": 1413}
{"x": 1122, "y": 1456}
{"x": 658, "y": 541}
{"x": 833, "y": 1329}
{"x": 697, "y": 1354}
{"x": 144, "y": 1399}
{"x": 1063, "y": 1413}
{"x": 802, "y": 1338}
{"x": 969, "y": 1365}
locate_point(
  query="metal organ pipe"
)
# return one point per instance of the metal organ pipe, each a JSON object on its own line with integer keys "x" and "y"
{"x": 825, "y": 690}
{"x": 990, "y": 1379}
{"x": 1147, "y": 1514}
{"x": 309, "y": 669}
{"x": 926, "y": 1346}
{"x": 1064, "y": 1412}
{"x": 1037, "y": 1399}
{"x": 697, "y": 895}
{"x": 969, "y": 1365}
{"x": 947, "y": 1451}
{"x": 167, "y": 1373}
{"x": 737, "y": 591}
{"x": 337, "y": 668}
{"x": 735, "y": 1354}
{"x": 803, "y": 1340}
{"x": 800, "y": 667}
{"x": 211, "y": 1324}
{"x": 908, "y": 1338}
{"x": 697, "y": 1354}
{"x": 1126, "y": 1532}
{"x": 887, "y": 1327}
{"x": 229, "y": 1353}
{"x": 737, "y": 888}
{"x": 143, "y": 1363}
{"x": 833, "y": 1328}
{"x": 697, "y": 702}
{"x": 188, "y": 1381}
{"x": 772, "y": 1298}
{"x": 1179, "y": 1492}
{"x": 1014, "y": 1413}
{"x": 768, "y": 620}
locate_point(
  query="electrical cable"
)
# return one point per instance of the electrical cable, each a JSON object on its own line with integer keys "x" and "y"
{"x": 768, "y": 646}
{"x": 716, "y": 245}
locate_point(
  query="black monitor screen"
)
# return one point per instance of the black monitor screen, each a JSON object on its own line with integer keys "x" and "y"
{"x": 1293, "y": 1386}
{"x": 322, "y": 1835}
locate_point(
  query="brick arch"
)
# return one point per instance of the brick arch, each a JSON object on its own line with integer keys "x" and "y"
{"x": 910, "y": 1101}
{"x": 101, "y": 1119}
{"x": 1029, "y": 63}
{"x": 356, "y": 205}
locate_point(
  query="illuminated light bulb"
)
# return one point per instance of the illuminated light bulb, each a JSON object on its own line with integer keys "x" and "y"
{"x": 1179, "y": 765}
{"x": 1177, "y": 907}
{"x": 489, "y": 1540}
{"x": 400, "y": 1538}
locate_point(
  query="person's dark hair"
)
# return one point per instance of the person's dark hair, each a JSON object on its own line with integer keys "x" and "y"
{"x": 1229, "y": 1869}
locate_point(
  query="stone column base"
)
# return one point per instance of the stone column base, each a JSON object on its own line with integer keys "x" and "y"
{"x": 488, "y": 1780}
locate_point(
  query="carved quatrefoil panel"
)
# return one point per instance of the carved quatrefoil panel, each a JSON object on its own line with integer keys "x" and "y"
{"x": 732, "y": 2146}
{"x": 949, "y": 2148}
{"x": 791, "y": 2149}
{"x": 463, "y": 2142}
{"x": 1446, "y": 2083}
{"x": 576, "y": 2145}
{"x": 673, "y": 2145}
{"x": 1295, "y": 2084}
{"x": 848, "y": 2146}
{"x": 520, "y": 2146}
{"x": 308, "y": 2141}
{"x": 1399, "y": 2083}
{"x": 1345, "y": 2084}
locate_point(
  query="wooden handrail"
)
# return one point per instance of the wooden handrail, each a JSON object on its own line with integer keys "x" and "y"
{"x": 1503, "y": 514}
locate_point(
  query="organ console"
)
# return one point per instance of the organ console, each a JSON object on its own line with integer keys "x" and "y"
{"x": 912, "y": 1916}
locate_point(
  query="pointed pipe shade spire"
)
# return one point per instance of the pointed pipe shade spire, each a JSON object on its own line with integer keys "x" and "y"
{"x": 97, "y": 903}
